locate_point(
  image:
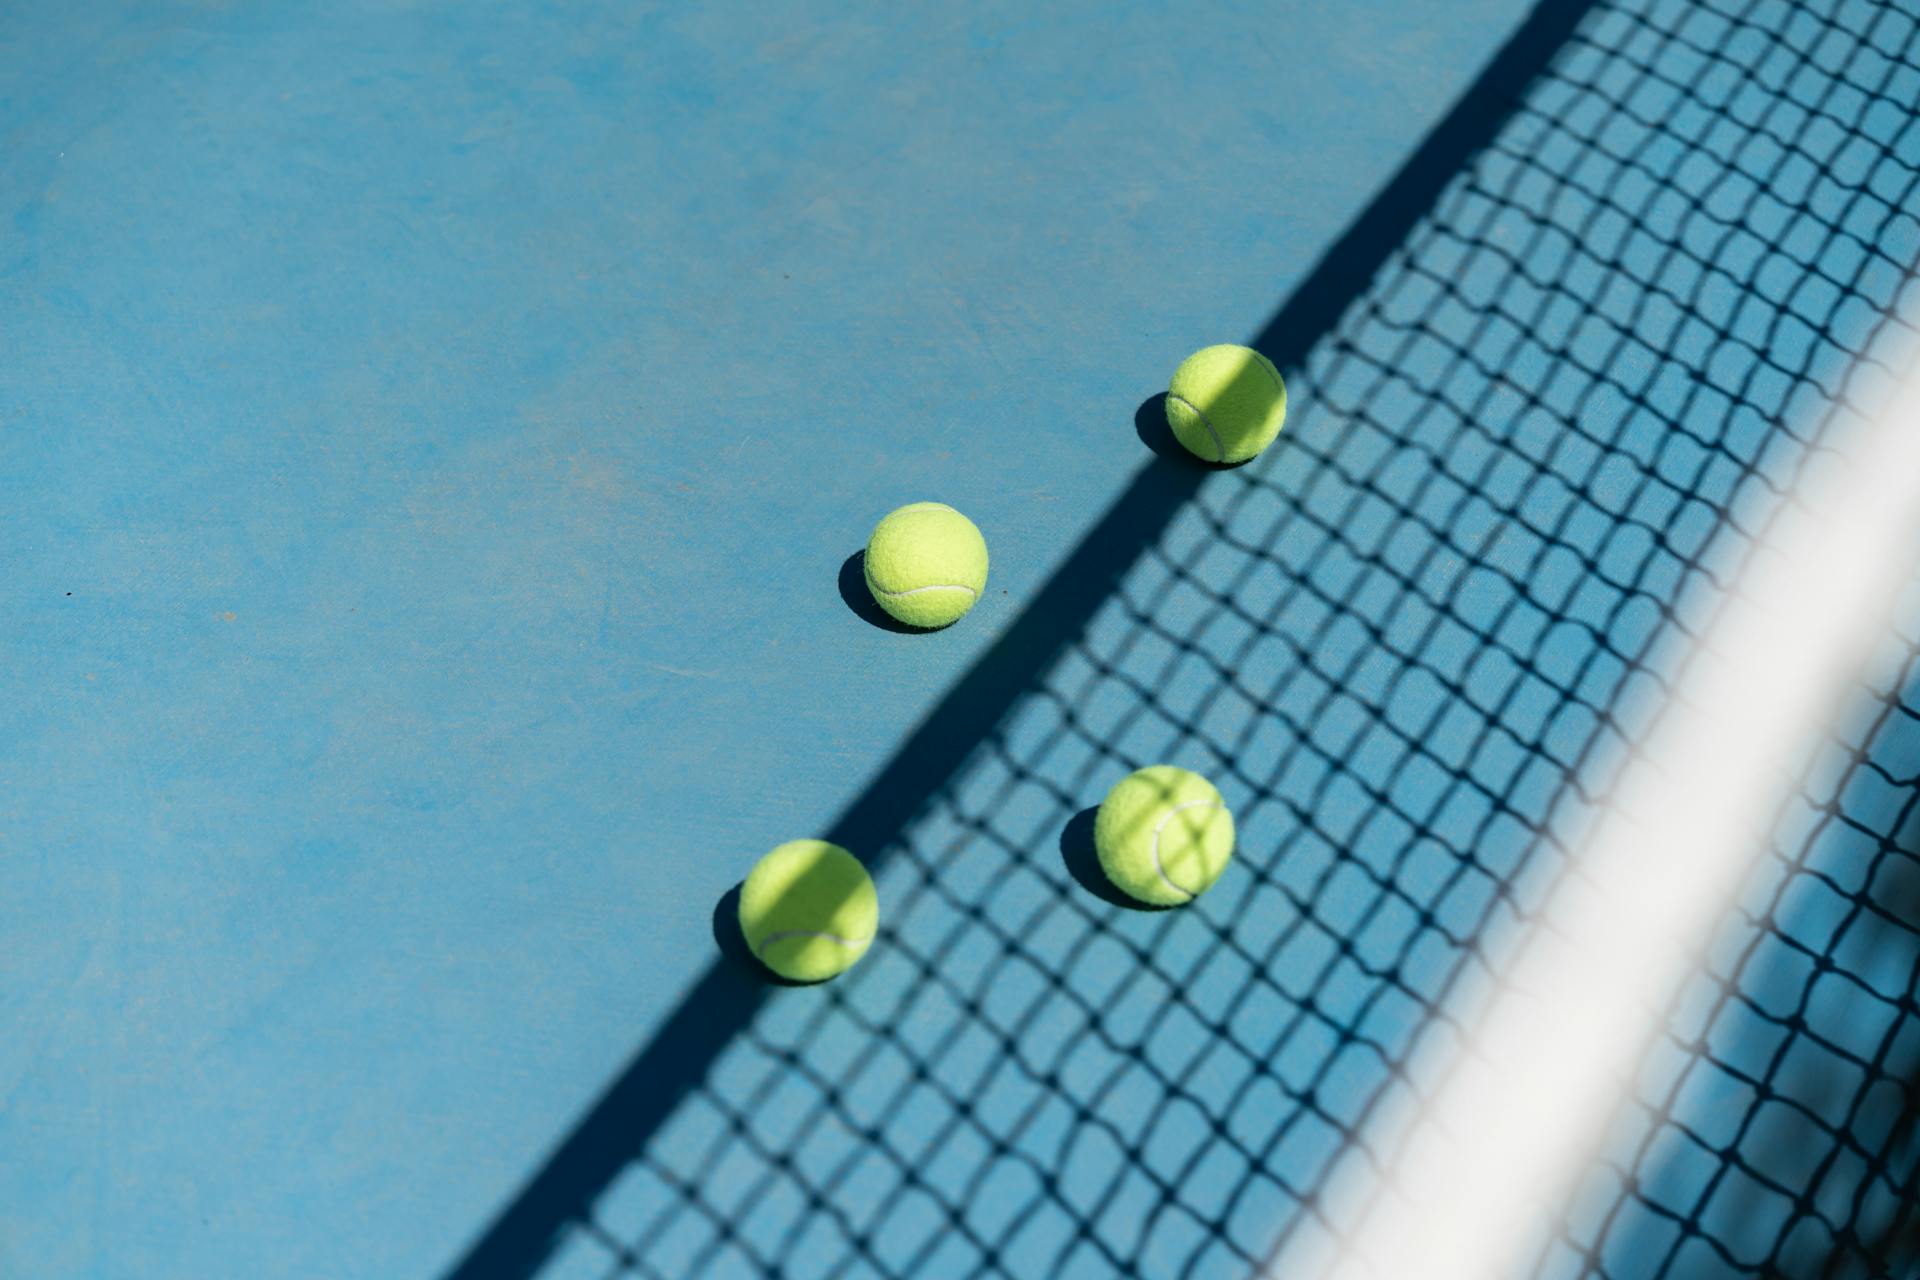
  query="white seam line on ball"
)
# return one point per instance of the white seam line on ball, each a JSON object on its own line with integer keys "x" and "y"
{"x": 1161, "y": 825}
{"x": 1219, "y": 448}
{"x": 1278, "y": 384}
{"x": 784, "y": 934}
{"x": 914, "y": 591}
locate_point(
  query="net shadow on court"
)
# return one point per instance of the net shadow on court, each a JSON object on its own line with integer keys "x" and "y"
{"x": 1544, "y": 391}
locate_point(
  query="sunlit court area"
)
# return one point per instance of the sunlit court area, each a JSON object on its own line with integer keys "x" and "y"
{"x": 891, "y": 641}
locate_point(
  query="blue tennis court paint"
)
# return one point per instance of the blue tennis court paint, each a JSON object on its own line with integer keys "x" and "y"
{"x": 452, "y": 424}
{"x": 1550, "y": 382}
{"x": 430, "y": 437}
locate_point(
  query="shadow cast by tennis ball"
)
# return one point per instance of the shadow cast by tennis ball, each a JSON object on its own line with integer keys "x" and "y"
{"x": 853, "y": 590}
{"x": 732, "y": 944}
{"x": 1150, "y": 424}
{"x": 1082, "y": 861}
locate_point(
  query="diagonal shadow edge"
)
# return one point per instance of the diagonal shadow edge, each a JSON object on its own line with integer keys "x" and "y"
{"x": 674, "y": 1062}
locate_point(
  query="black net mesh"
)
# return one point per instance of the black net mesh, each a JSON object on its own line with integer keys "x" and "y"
{"x": 1410, "y": 644}
{"x": 1775, "y": 1129}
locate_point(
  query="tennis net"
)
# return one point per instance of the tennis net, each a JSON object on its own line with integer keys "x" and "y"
{"x": 1539, "y": 419}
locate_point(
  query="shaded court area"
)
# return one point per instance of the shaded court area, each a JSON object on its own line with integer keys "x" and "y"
{"x": 1544, "y": 391}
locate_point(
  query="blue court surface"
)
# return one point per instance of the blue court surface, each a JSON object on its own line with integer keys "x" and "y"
{"x": 434, "y": 444}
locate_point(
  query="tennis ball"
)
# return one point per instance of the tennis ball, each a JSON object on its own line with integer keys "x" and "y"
{"x": 1226, "y": 403}
{"x": 808, "y": 910}
{"x": 1163, "y": 835}
{"x": 926, "y": 564}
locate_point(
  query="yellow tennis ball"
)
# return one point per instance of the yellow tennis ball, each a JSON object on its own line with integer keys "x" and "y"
{"x": 1226, "y": 403}
{"x": 926, "y": 564}
{"x": 1164, "y": 835}
{"x": 808, "y": 910}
